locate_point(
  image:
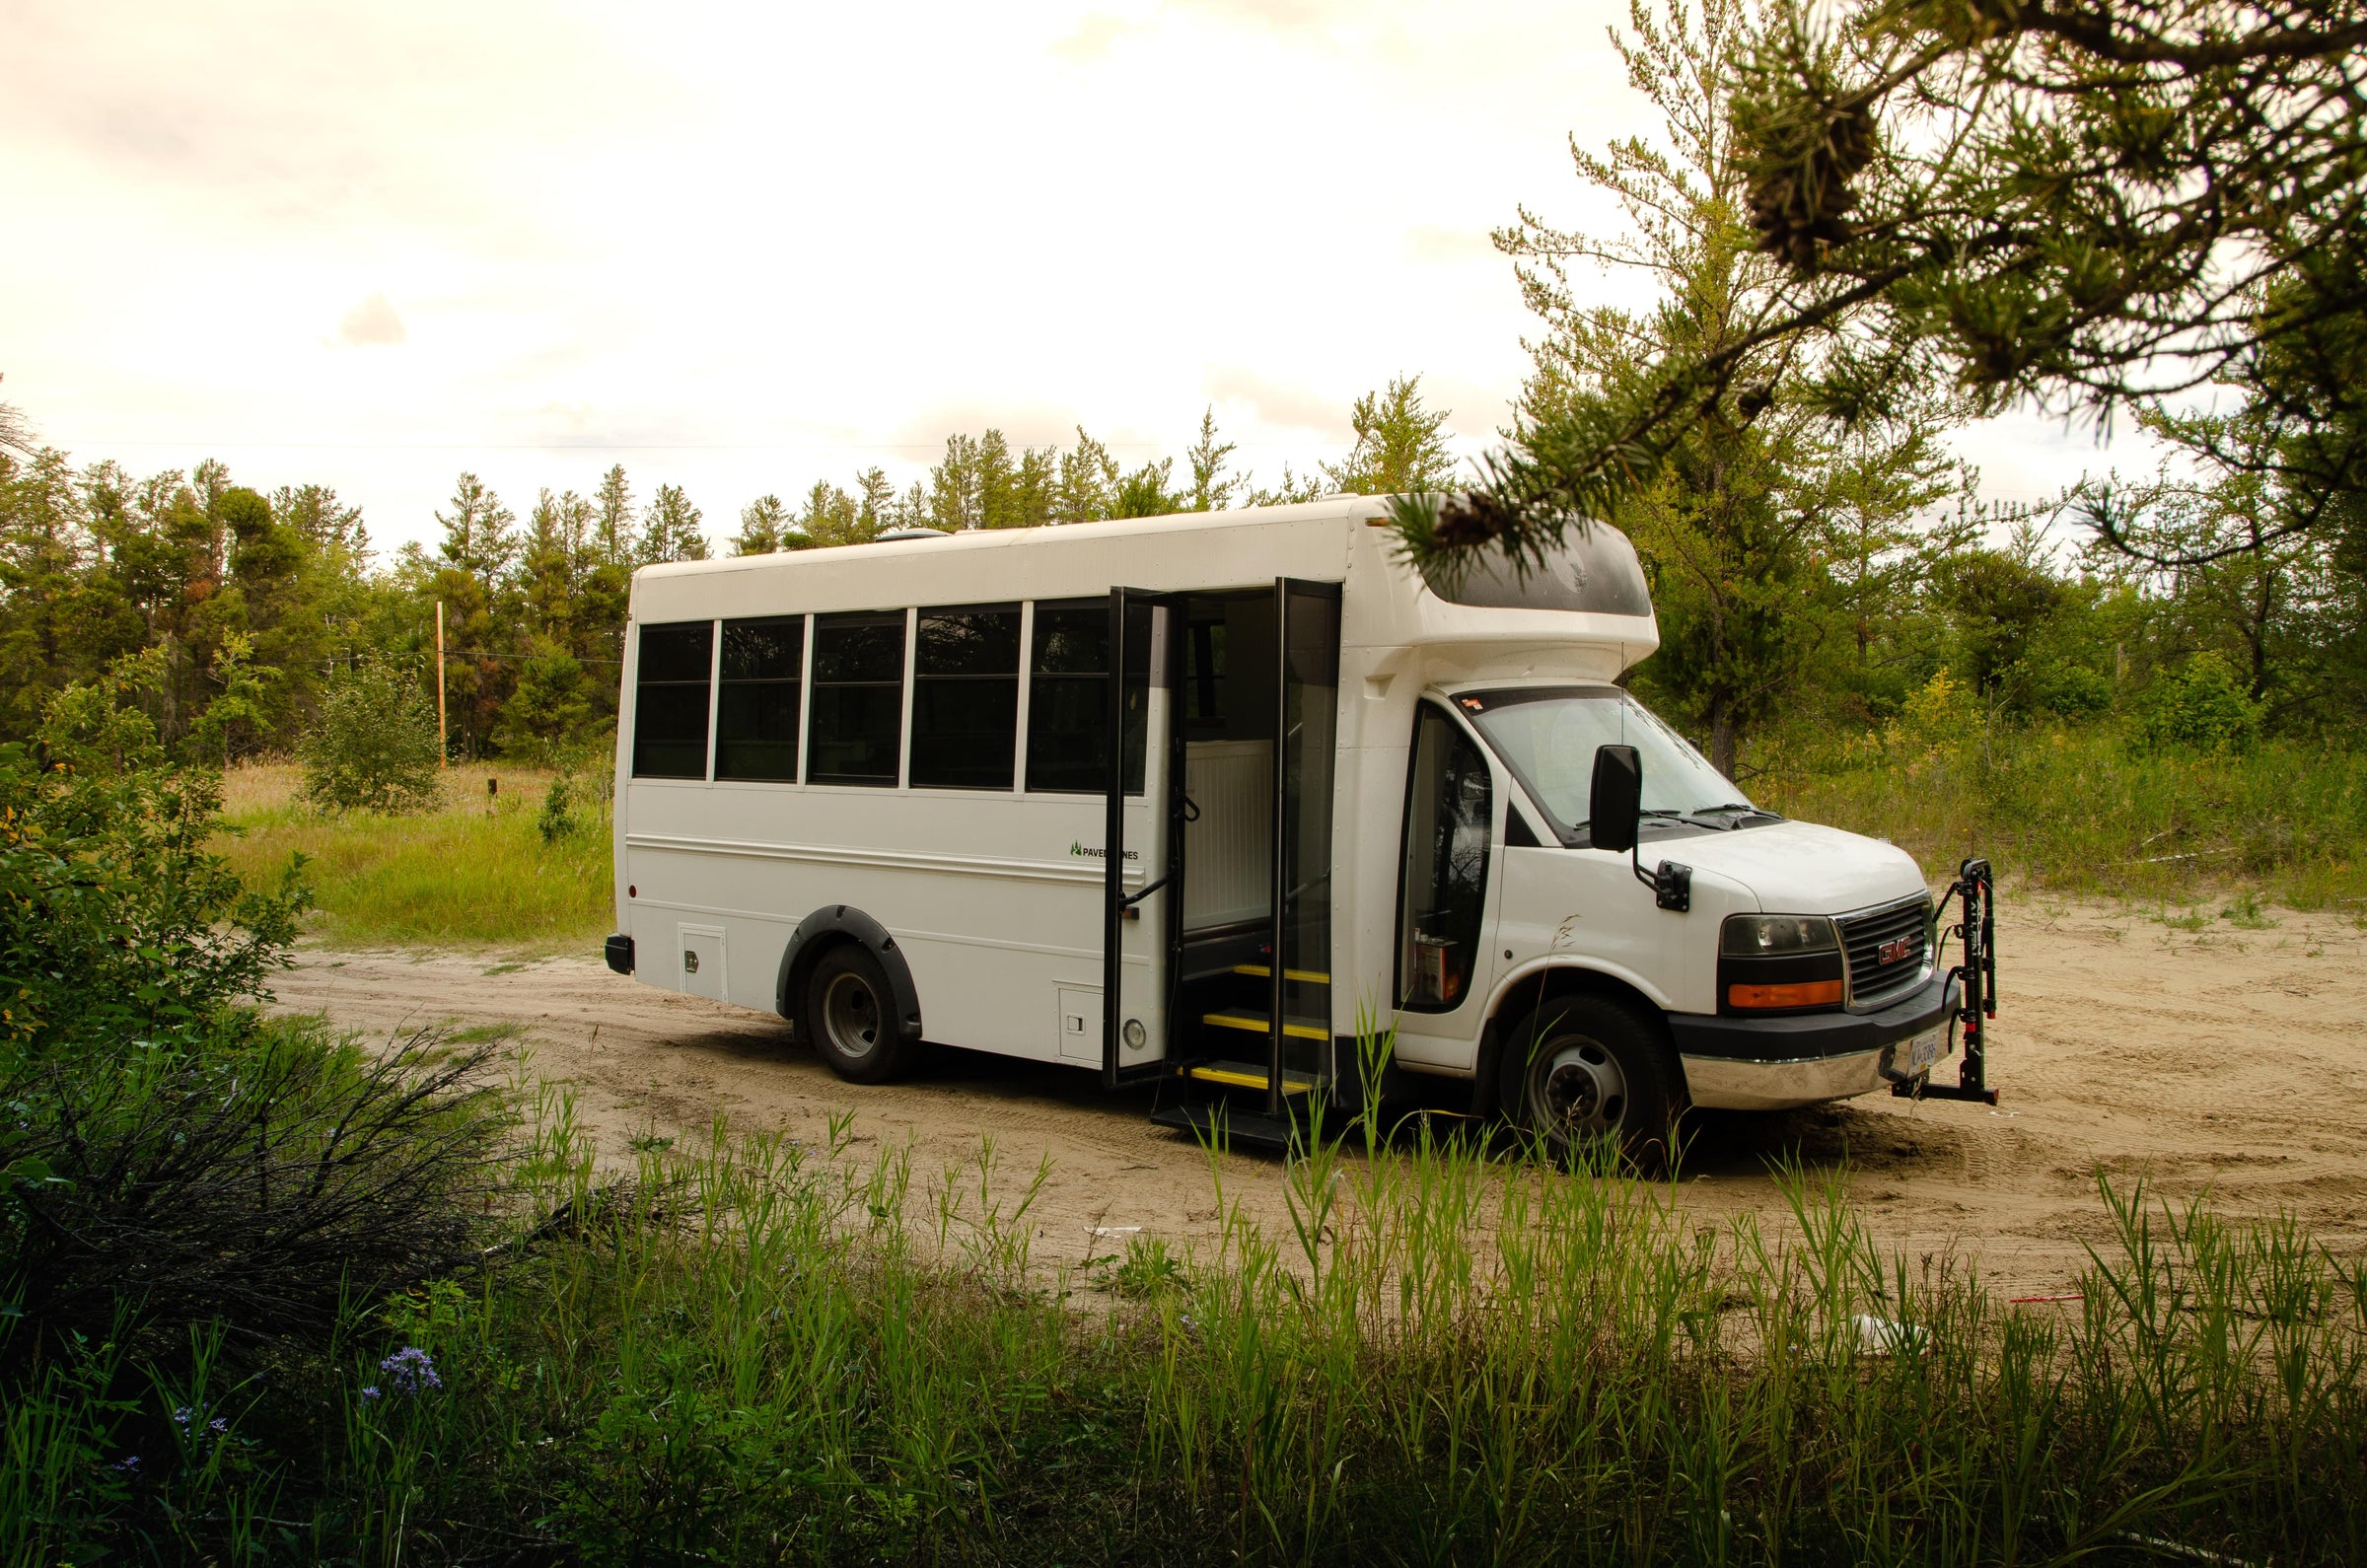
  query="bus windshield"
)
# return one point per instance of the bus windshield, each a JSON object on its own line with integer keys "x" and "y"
{"x": 1547, "y": 735}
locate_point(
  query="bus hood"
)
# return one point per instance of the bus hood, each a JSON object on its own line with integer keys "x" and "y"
{"x": 1797, "y": 867}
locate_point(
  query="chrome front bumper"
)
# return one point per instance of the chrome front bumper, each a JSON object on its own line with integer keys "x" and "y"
{"x": 1778, "y": 1063}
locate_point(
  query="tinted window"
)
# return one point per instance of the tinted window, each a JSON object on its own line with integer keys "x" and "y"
{"x": 755, "y": 711}
{"x": 670, "y": 700}
{"x": 858, "y": 720}
{"x": 1449, "y": 810}
{"x": 1068, "y": 697}
{"x": 966, "y": 697}
{"x": 1593, "y": 568}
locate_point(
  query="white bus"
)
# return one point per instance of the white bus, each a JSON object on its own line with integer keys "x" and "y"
{"x": 875, "y": 789}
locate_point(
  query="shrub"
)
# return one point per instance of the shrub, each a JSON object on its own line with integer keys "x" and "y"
{"x": 548, "y": 712}
{"x": 558, "y": 819}
{"x": 374, "y": 747}
{"x": 2203, "y": 707}
{"x": 256, "y": 1175}
{"x": 115, "y": 920}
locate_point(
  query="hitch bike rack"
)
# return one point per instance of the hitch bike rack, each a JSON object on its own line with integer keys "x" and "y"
{"x": 1975, "y": 893}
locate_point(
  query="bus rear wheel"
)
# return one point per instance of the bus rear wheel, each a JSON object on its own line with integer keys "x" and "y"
{"x": 850, "y": 1015}
{"x": 1586, "y": 1071}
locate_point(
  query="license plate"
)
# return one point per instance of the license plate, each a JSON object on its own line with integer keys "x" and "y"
{"x": 1923, "y": 1051}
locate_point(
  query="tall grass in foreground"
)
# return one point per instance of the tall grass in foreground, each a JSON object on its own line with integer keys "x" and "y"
{"x": 477, "y": 870}
{"x": 764, "y": 1353}
{"x": 2083, "y": 810}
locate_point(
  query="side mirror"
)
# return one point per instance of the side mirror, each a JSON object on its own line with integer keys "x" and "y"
{"x": 1616, "y": 799}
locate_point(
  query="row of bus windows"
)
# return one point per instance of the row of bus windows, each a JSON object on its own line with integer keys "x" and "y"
{"x": 965, "y": 676}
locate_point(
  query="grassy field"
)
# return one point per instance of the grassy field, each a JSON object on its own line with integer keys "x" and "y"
{"x": 2078, "y": 810}
{"x": 760, "y": 1353}
{"x": 473, "y": 872}
{"x": 2081, "y": 810}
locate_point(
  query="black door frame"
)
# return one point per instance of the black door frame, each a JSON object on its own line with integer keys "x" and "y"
{"x": 1116, "y": 904}
{"x": 1283, "y": 896}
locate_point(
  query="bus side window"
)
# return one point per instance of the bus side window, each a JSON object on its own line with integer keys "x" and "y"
{"x": 966, "y": 698}
{"x": 755, "y": 713}
{"x": 1448, "y": 808}
{"x": 1068, "y": 697}
{"x": 856, "y": 729}
{"x": 670, "y": 700}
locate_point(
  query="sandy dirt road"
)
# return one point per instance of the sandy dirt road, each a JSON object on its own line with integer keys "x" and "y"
{"x": 2227, "y": 1059}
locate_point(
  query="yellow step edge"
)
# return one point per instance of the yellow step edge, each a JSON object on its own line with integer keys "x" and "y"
{"x": 1307, "y": 977}
{"x": 1256, "y": 1026}
{"x": 1235, "y": 1078}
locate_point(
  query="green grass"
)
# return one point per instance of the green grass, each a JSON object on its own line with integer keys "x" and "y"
{"x": 759, "y": 1353}
{"x": 2083, "y": 811}
{"x": 463, "y": 875}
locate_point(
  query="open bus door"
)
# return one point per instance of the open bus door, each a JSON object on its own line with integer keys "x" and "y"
{"x": 1144, "y": 649}
{"x": 1252, "y": 1013}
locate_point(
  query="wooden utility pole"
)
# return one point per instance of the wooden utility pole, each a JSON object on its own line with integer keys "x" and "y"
{"x": 442, "y": 744}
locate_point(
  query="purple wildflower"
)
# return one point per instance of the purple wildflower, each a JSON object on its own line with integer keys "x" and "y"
{"x": 370, "y": 1392}
{"x": 412, "y": 1371}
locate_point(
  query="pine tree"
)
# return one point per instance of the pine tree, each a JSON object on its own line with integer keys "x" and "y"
{"x": 1210, "y": 490}
{"x": 955, "y": 504}
{"x": 1086, "y": 488}
{"x": 612, "y": 527}
{"x": 1732, "y": 524}
{"x": 992, "y": 479}
{"x": 1399, "y": 449}
{"x": 480, "y": 533}
{"x": 670, "y": 529}
{"x": 548, "y": 569}
{"x": 832, "y": 517}
{"x": 1144, "y": 492}
{"x": 878, "y": 502}
{"x": 762, "y": 521}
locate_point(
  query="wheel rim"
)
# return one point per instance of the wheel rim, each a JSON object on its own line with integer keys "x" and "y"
{"x": 1576, "y": 1090}
{"x": 850, "y": 1014}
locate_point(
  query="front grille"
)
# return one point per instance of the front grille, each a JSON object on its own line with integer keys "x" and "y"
{"x": 1904, "y": 929}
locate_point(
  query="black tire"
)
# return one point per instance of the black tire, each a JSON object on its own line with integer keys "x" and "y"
{"x": 850, "y": 1016}
{"x": 1581, "y": 1070}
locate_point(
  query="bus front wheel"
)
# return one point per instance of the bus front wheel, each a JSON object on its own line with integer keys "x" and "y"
{"x": 850, "y": 1016}
{"x": 1585, "y": 1071}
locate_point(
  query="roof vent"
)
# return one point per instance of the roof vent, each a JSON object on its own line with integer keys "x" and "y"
{"x": 892, "y": 535}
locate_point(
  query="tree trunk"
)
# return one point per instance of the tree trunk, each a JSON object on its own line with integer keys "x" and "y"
{"x": 1722, "y": 736}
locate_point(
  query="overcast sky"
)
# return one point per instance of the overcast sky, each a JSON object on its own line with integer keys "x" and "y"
{"x": 744, "y": 247}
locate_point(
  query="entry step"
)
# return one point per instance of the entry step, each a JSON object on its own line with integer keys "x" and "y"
{"x": 1237, "y": 1129}
{"x": 1248, "y": 1075}
{"x": 1266, "y": 972}
{"x": 1250, "y": 1022}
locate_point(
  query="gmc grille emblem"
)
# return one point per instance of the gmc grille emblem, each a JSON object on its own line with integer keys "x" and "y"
{"x": 1893, "y": 950}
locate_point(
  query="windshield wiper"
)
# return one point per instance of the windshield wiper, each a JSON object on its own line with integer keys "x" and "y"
{"x": 1741, "y": 807}
{"x": 1649, "y": 810}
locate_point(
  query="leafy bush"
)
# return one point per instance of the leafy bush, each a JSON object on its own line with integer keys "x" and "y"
{"x": 256, "y": 1175}
{"x": 2203, "y": 707}
{"x": 550, "y": 711}
{"x": 374, "y": 747}
{"x": 115, "y": 920}
{"x": 558, "y": 818}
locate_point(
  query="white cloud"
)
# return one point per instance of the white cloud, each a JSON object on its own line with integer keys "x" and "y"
{"x": 372, "y": 322}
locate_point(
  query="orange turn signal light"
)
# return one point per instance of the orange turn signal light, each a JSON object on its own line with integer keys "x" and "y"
{"x": 1806, "y": 993}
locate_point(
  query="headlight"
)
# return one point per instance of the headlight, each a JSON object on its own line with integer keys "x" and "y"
{"x": 1776, "y": 936}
